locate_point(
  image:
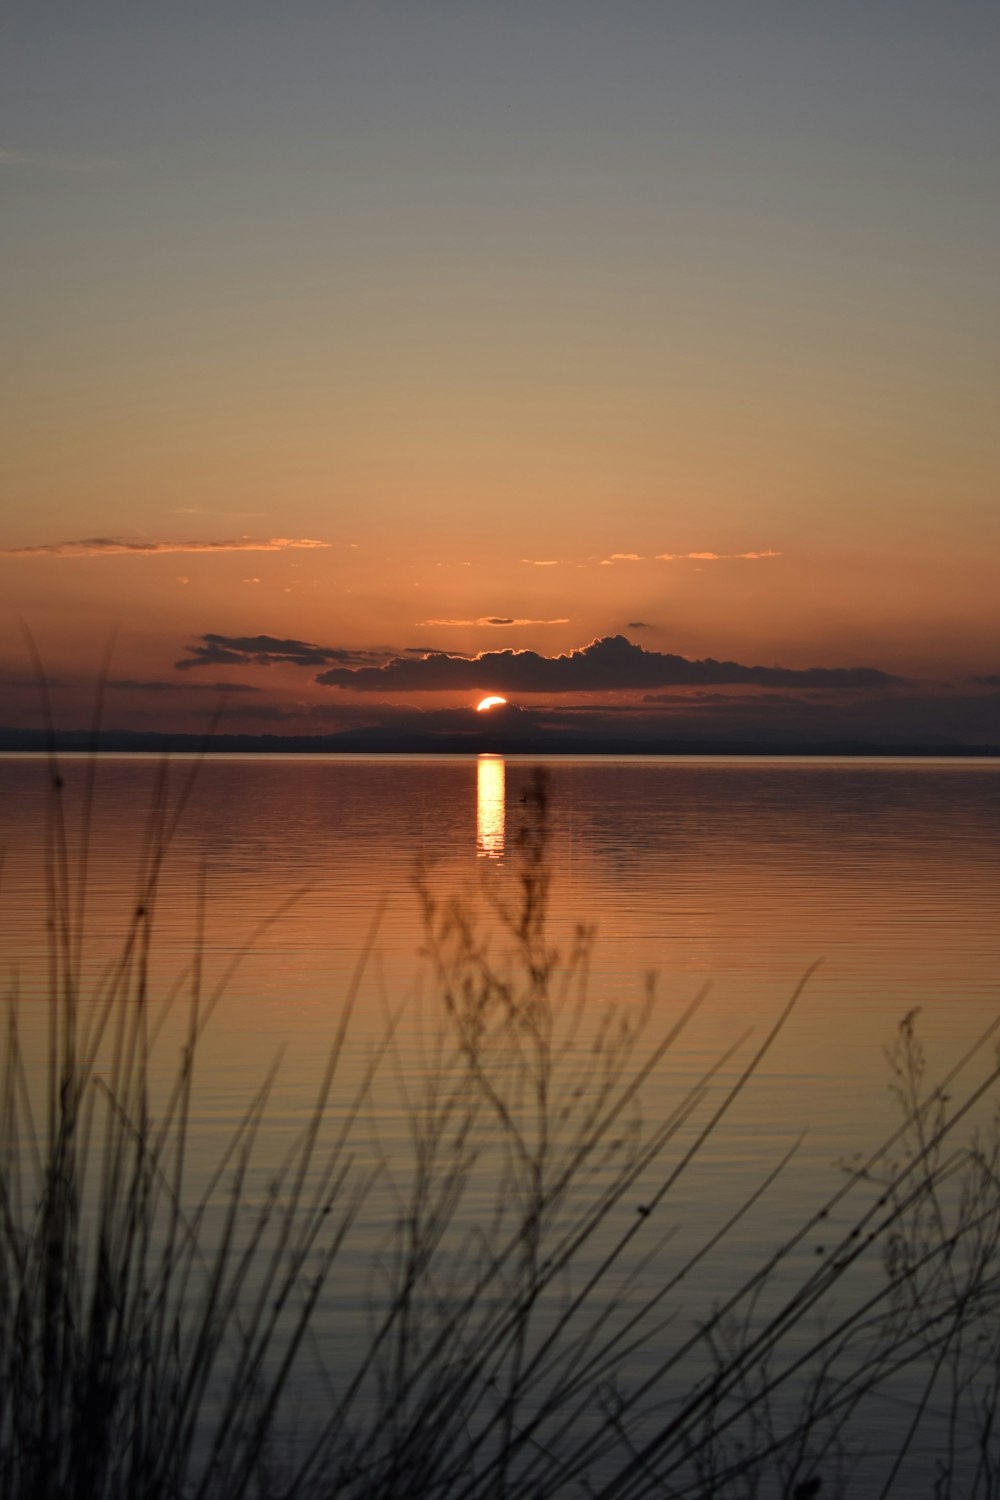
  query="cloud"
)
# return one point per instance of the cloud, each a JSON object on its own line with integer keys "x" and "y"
{"x": 340, "y": 716}
{"x": 31, "y": 681}
{"x": 634, "y": 557}
{"x": 213, "y": 650}
{"x": 992, "y": 679}
{"x": 107, "y": 546}
{"x": 495, "y": 620}
{"x": 748, "y": 703}
{"x": 205, "y": 510}
{"x": 541, "y": 562}
{"x": 898, "y": 717}
{"x": 639, "y": 625}
{"x": 56, "y": 161}
{"x": 136, "y": 685}
{"x": 612, "y": 663}
{"x": 710, "y": 718}
{"x": 715, "y": 556}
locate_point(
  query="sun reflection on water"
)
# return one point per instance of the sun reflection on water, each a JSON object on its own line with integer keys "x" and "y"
{"x": 490, "y": 806}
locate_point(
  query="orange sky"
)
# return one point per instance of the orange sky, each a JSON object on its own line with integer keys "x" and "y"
{"x": 510, "y": 317}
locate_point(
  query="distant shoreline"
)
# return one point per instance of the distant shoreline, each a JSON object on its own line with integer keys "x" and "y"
{"x": 353, "y": 742}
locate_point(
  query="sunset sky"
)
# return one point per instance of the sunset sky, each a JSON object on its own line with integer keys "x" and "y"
{"x": 341, "y": 334}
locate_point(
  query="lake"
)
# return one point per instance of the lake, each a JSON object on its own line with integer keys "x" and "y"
{"x": 727, "y": 876}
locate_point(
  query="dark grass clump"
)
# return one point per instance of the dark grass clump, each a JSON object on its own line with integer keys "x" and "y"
{"x": 529, "y": 1331}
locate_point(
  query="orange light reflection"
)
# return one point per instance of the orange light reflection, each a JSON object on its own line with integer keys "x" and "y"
{"x": 490, "y": 806}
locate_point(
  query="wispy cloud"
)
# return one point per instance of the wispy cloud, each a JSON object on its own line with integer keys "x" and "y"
{"x": 499, "y": 621}
{"x": 58, "y": 161}
{"x": 30, "y": 680}
{"x": 637, "y": 557}
{"x": 204, "y": 510}
{"x": 108, "y": 546}
{"x": 214, "y": 650}
{"x": 715, "y": 556}
{"x": 138, "y": 685}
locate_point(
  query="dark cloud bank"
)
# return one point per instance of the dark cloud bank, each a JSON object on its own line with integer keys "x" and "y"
{"x": 751, "y": 722}
{"x": 674, "y": 705}
{"x": 720, "y": 719}
{"x": 611, "y": 664}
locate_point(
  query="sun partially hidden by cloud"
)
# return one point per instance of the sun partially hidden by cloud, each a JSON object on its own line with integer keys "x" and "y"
{"x": 493, "y": 701}
{"x": 107, "y": 546}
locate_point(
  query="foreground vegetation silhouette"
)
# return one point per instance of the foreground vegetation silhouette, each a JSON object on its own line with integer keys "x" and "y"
{"x": 529, "y": 1330}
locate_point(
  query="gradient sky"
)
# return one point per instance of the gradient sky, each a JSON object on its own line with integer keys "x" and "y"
{"x": 513, "y": 308}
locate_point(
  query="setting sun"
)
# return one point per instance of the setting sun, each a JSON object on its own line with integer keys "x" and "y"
{"x": 490, "y": 702}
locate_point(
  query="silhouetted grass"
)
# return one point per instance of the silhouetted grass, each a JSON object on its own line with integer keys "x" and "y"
{"x": 157, "y": 1331}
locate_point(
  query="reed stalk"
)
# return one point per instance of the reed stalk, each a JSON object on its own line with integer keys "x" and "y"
{"x": 158, "y": 1325}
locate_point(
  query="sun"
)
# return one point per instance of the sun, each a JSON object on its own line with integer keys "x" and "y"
{"x": 487, "y": 703}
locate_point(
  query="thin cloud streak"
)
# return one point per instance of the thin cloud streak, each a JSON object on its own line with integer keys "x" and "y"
{"x": 715, "y": 556}
{"x": 137, "y": 685}
{"x": 497, "y": 621}
{"x": 107, "y": 546}
{"x": 636, "y": 557}
{"x": 205, "y": 510}
{"x": 633, "y": 557}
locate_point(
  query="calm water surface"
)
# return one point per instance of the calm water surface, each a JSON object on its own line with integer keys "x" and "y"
{"x": 733, "y": 873}
{"x": 737, "y": 874}
{"x": 741, "y": 872}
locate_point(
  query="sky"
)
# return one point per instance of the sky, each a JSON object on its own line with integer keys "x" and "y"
{"x": 407, "y": 332}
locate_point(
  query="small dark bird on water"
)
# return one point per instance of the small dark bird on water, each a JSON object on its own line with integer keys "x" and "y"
{"x": 808, "y": 1489}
